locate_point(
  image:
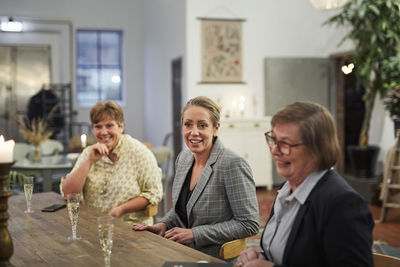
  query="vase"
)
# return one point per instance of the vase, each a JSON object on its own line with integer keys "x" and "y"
{"x": 36, "y": 157}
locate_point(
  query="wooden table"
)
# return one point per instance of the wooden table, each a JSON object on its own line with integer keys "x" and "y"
{"x": 40, "y": 239}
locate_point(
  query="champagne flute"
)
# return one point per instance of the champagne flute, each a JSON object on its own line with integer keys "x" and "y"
{"x": 106, "y": 229}
{"x": 73, "y": 211}
{"x": 28, "y": 189}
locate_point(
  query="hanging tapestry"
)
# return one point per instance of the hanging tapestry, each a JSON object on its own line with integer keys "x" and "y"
{"x": 221, "y": 51}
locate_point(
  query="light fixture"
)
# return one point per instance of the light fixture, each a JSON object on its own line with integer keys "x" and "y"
{"x": 11, "y": 25}
{"x": 347, "y": 69}
{"x": 328, "y": 4}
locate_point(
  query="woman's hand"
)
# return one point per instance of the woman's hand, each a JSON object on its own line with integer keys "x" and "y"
{"x": 158, "y": 228}
{"x": 252, "y": 258}
{"x": 97, "y": 151}
{"x": 180, "y": 235}
{"x": 116, "y": 212}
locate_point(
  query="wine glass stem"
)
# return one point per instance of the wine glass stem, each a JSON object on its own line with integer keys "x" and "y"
{"x": 107, "y": 257}
{"x": 74, "y": 232}
{"x": 28, "y": 206}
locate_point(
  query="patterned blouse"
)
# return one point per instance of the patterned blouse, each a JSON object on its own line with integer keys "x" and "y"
{"x": 135, "y": 173}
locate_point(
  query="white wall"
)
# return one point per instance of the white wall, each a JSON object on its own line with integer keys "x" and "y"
{"x": 164, "y": 37}
{"x": 284, "y": 28}
{"x": 157, "y": 31}
{"x": 125, "y": 15}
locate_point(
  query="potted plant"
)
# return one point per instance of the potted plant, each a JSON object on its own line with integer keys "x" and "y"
{"x": 374, "y": 27}
{"x": 392, "y": 99}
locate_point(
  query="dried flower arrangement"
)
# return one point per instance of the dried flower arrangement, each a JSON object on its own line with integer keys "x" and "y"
{"x": 35, "y": 131}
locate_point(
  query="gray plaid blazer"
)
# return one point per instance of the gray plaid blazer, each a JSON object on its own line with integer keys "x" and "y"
{"x": 223, "y": 205}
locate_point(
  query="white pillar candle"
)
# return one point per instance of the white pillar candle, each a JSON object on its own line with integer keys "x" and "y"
{"x": 241, "y": 109}
{"x": 83, "y": 140}
{"x": 6, "y": 150}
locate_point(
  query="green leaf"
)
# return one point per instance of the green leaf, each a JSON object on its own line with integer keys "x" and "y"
{"x": 374, "y": 9}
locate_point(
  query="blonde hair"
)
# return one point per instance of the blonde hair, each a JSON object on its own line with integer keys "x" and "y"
{"x": 205, "y": 102}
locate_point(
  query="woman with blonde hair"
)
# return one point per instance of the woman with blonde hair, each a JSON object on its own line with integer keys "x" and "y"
{"x": 213, "y": 195}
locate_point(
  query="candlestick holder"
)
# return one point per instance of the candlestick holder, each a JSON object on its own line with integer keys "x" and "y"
{"x": 5, "y": 238}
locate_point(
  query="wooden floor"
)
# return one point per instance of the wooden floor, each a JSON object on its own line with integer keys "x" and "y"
{"x": 388, "y": 232}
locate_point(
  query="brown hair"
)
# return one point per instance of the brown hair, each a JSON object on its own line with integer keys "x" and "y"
{"x": 205, "y": 102}
{"x": 317, "y": 130}
{"x": 106, "y": 109}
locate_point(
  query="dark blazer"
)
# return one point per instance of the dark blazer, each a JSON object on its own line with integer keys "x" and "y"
{"x": 332, "y": 228}
{"x": 223, "y": 205}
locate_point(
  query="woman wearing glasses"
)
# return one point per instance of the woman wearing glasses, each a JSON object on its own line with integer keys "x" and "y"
{"x": 317, "y": 218}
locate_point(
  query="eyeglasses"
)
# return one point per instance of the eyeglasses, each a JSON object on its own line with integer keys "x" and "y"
{"x": 283, "y": 147}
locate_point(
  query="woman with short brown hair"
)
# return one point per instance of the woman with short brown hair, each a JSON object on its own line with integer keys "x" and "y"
{"x": 118, "y": 175}
{"x": 317, "y": 218}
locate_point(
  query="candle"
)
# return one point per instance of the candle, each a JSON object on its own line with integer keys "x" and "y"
{"x": 6, "y": 150}
{"x": 83, "y": 140}
{"x": 241, "y": 108}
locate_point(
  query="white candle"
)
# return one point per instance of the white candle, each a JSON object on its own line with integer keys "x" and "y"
{"x": 6, "y": 150}
{"x": 83, "y": 140}
{"x": 241, "y": 108}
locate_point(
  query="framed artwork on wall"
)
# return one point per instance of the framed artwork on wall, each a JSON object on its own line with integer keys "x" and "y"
{"x": 221, "y": 48}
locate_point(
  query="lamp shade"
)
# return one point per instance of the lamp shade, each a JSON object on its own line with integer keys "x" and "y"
{"x": 328, "y": 4}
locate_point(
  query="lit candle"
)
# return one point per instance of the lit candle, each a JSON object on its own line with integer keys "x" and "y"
{"x": 6, "y": 150}
{"x": 83, "y": 140}
{"x": 241, "y": 108}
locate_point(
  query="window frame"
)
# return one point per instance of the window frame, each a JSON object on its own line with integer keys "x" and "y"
{"x": 99, "y": 67}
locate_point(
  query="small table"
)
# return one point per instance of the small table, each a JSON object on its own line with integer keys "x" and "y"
{"x": 40, "y": 239}
{"x": 57, "y": 164}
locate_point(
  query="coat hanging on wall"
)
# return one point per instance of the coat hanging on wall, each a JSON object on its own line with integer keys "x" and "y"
{"x": 221, "y": 48}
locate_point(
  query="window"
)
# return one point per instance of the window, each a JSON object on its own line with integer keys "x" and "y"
{"x": 99, "y": 66}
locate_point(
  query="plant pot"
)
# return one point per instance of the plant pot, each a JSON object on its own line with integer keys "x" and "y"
{"x": 363, "y": 160}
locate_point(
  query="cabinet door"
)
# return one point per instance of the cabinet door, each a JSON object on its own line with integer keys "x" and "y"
{"x": 231, "y": 135}
{"x": 246, "y": 138}
{"x": 258, "y": 155}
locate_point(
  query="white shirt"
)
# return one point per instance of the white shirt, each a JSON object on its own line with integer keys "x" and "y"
{"x": 286, "y": 206}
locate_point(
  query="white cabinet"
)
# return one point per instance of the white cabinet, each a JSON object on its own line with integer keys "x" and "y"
{"x": 246, "y": 138}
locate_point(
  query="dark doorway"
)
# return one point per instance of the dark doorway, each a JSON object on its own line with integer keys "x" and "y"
{"x": 177, "y": 104}
{"x": 350, "y": 110}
